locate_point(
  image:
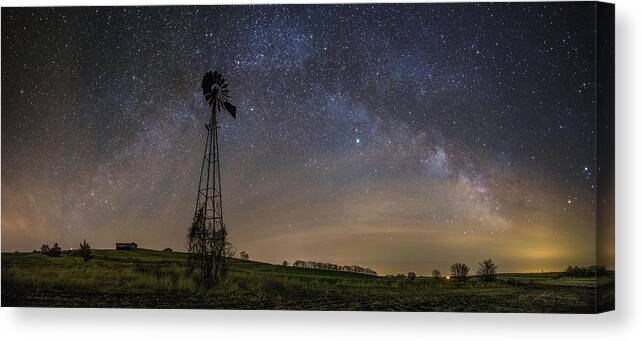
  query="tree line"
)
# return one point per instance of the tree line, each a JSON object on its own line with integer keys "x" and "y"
{"x": 332, "y": 267}
{"x": 585, "y": 271}
{"x": 487, "y": 271}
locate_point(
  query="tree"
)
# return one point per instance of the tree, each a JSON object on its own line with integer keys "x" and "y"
{"x": 285, "y": 263}
{"x": 54, "y": 251}
{"x": 412, "y": 275}
{"x": 459, "y": 271}
{"x": 245, "y": 255}
{"x": 436, "y": 274}
{"x": 487, "y": 270}
{"x": 44, "y": 249}
{"x": 85, "y": 251}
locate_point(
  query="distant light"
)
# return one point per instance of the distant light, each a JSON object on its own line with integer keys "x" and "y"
{"x": 447, "y": 277}
{"x": 358, "y": 140}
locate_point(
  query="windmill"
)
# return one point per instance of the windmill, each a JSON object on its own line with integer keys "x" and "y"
{"x": 208, "y": 246}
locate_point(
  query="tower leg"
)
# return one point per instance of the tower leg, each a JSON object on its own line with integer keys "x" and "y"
{"x": 208, "y": 247}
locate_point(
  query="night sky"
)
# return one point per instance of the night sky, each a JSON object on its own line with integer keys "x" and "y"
{"x": 398, "y": 137}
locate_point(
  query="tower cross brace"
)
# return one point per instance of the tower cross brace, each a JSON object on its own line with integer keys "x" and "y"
{"x": 207, "y": 249}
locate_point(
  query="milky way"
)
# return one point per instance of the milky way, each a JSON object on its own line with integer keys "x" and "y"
{"x": 399, "y": 137}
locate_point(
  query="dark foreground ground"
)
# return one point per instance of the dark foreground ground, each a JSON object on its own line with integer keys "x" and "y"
{"x": 155, "y": 279}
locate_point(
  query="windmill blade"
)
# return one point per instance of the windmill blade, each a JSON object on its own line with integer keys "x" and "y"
{"x": 208, "y": 77}
{"x": 208, "y": 80}
{"x": 230, "y": 108}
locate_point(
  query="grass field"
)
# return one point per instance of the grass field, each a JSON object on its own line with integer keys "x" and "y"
{"x": 157, "y": 279}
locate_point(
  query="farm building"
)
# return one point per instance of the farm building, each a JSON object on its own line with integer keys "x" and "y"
{"x": 126, "y": 246}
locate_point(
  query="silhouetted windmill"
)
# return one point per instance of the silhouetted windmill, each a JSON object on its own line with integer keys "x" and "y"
{"x": 208, "y": 236}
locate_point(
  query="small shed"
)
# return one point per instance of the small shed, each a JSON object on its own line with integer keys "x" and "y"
{"x": 126, "y": 246}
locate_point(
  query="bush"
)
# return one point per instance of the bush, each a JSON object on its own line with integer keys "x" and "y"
{"x": 487, "y": 270}
{"x": 436, "y": 274}
{"x": 44, "y": 249}
{"x": 459, "y": 271}
{"x": 412, "y": 275}
{"x": 85, "y": 251}
{"x": 54, "y": 251}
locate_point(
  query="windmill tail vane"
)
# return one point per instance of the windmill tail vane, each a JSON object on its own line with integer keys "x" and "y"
{"x": 208, "y": 246}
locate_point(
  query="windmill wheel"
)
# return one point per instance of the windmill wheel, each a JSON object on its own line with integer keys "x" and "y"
{"x": 217, "y": 92}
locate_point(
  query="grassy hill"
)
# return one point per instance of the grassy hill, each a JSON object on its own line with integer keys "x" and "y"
{"x": 157, "y": 279}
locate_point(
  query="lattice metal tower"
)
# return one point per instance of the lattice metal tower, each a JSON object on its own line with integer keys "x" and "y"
{"x": 208, "y": 235}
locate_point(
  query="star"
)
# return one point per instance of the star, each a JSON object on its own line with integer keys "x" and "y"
{"x": 424, "y": 121}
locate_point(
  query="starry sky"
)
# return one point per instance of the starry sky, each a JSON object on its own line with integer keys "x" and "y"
{"x": 398, "y": 137}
